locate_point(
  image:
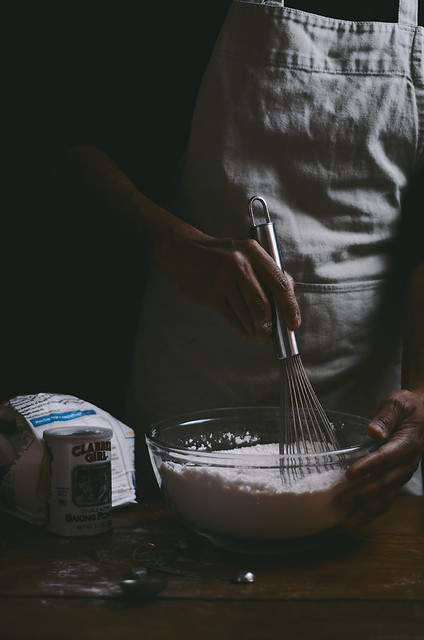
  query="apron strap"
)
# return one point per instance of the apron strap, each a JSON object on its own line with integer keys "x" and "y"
{"x": 408, "y": 12}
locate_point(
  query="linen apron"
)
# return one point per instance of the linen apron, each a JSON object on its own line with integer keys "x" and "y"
{"x": 324, "y": 119}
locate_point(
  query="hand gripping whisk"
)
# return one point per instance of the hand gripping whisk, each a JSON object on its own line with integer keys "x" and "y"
{"x": 305, "y": 427}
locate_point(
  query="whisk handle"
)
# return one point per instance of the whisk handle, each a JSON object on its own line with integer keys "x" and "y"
{"x": 284, "y": 339}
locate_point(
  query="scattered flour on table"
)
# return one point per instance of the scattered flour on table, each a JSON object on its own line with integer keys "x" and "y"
{"x": 253, "y": 503}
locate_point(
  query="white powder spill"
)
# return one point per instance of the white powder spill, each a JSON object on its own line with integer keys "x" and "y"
{"x": 253, "y": 503}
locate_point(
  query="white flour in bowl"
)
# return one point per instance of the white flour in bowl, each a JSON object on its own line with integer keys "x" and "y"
{"x": 253, "y": 503}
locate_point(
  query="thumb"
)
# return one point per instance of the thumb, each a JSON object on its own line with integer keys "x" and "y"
{"x": 385, "y": 420}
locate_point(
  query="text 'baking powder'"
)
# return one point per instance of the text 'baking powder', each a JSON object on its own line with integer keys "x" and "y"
{"x": 80, "y": 493}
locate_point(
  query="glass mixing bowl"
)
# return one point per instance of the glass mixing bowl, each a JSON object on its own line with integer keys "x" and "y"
{"x": 221, "y": 472}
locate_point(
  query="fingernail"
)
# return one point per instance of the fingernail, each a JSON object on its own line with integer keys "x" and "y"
{"x": 296, "y": 319}
{"x": 379, "y": 430}
{"x": 266, "y": 331}
{"x": 267, "y": 328}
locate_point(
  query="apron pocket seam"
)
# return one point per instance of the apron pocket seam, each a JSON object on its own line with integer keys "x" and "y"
{"x": 329, "y": 287}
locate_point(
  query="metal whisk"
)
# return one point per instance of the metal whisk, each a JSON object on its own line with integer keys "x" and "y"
{"x": 305, "y": 427}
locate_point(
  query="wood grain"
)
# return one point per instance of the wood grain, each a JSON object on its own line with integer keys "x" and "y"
{"x": 359, "y": 586}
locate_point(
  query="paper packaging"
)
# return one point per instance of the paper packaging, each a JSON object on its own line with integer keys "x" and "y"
{"x": 23, "y": 464}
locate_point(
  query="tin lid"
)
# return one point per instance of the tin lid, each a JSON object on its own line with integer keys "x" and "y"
{"x": 76, "y": 432}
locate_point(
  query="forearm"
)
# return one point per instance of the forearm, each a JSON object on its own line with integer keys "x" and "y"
{"x": 226, "y": 275}
{"x": 95, "y": 194}
{"x": 413, "y": 342}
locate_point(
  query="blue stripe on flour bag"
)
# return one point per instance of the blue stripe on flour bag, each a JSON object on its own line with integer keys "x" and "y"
{"x": 53, "y": 417}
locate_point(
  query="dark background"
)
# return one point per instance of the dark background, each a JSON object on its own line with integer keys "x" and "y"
{"x": 123, "y": 76}
{"x": 120, "y": 75}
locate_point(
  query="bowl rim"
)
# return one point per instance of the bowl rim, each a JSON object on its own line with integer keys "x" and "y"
{"x": 217, "y": 458}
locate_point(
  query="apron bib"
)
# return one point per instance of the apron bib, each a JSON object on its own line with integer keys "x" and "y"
{"x": 324, "y": 119}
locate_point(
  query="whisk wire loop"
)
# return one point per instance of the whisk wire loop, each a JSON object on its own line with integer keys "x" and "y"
{"x": 305, "y": 427}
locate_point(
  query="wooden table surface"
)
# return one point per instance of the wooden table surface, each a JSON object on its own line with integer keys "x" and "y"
{"x": 364, "y": 586}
